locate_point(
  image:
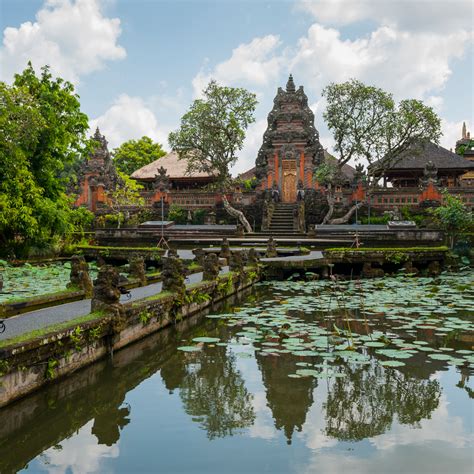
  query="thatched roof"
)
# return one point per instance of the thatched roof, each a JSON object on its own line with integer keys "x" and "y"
{"x": 175, "y": 169}
{"x": 249, "y": 174}
{"x": 417, "y": 156}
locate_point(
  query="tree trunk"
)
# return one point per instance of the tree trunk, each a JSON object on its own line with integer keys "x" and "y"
{"x": 238, "y": 214}
{"x": 331, "y": 200}
{"x": 345, "y": 218}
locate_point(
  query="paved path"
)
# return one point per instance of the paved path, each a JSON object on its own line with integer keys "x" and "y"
{"x": 41, "y": 318}
{"x": 313, "y": 255}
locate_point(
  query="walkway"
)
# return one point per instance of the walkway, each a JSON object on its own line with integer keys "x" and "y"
{"x": 41, "y": 318}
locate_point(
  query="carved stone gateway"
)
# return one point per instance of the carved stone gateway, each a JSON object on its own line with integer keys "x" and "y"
{"x": 291, "y": 148}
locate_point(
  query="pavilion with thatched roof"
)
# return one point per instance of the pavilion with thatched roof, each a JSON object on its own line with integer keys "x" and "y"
{"x": 176, "y": 172}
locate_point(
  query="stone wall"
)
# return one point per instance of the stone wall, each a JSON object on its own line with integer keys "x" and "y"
{"x": 29, "y": 365}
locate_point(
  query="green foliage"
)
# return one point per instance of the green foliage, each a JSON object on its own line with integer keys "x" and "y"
{"x": 145, "y": 316}
{"x": 375, "y": 220}
{"x": 43, "y": 135}
{"x": 461, "y": 149}
{"x": 195, "y": 296}
{"x": 213, "y": 129}
{"x": 133, "y": 154}
{"x": 453, "y": 216}
{"x": 177, "y": 214}
{"x": 77, "y": 338}
{"x": 127, "y": 194}
{"x": 50, "y": 372}
{"x": 368, "y": 126}
{"x": 198, "y": 216}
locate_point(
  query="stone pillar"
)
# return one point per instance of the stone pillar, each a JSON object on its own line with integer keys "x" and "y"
{"x": 211, "y": 267}
{"x": 236, "y": 263}
{"x": 173, "y": 275}
{"x": 253, "y": 258}
{"x": 271, "y": 248}
{"x": 79, "y": 276}
{"x": 137, "y": 269}
{"x": 106, "y": 295}
{"x": 225, "y": 249}
{"x": 199, "y": 256}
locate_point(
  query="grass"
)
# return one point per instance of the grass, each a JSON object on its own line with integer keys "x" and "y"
{"x": 389, "y": 249}
{"x": 104, "y": 247}
{"x": 28, "y": 336}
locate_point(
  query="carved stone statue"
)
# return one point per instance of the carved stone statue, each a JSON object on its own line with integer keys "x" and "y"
{"x": 271, "y": 248}
{"x": 79, "y": 276}
{"x": 162, "y": 181}
{"x": 225, "y": 249}
{"x": 253, "y": 258}
{"x": 106, "y": 295}
{"x": 300, "y": 191}
{"x": 137, "y": 269}
{"x": 430, "y": 174}
{"x": 174, "y": 274}
{"x": 211, "y": 267}
{"x": 199, "y": 256}
{"x": 275, "y": 193}
{"x": 236, "y": 263}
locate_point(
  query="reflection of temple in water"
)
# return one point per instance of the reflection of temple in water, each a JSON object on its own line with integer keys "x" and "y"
{"x": 289, "y": 399}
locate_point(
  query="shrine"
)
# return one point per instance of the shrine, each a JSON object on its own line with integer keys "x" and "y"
{"x": 291, "y": 149}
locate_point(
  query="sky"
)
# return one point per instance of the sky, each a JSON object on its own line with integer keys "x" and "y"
{"x": 138, "y": 64}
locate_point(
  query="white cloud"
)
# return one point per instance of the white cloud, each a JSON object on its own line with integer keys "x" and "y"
{"x": 411, "y": 65}
{"x": 129, "y": 118}
{"x": 414, "y": 15}
{"x": 73, "y": 37}
{"x": 255, "y": 63}
{"x": 253, "y": 142}
{"x": 78, "y": 454}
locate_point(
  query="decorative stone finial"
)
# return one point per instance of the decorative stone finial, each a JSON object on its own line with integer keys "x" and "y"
{"x": 290, "y": 85}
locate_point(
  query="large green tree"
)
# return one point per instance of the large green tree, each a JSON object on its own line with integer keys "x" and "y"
{"x": 453, "y": 216}
{"x": 370, "y": 128}
{"x": 213, "y": 130}
{"x": 42, "y": 132}
{"x": 133, "y": 154}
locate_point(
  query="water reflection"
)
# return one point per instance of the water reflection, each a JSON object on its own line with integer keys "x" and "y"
{"x": 214, "y": 394}
{"x": 365, "y": 402}
{"x": 81, "y": 422}
{"x": 288, "y": 399}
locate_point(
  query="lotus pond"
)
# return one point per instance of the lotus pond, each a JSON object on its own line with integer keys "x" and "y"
{"x": 26, "y": 281}
{"x": 303, "y": 377}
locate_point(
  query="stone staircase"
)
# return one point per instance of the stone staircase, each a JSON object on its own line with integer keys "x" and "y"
{"x": 282, "y": 219}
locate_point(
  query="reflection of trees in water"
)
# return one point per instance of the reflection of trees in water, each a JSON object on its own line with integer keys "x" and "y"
{"x": 107, "y": 426}
{"x": 364, "y": 403}
{"x": 212, "y": 390}
{"x": 289, "y": 399}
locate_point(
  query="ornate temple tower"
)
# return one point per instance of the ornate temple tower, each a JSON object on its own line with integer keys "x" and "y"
{"x": 96, "y": 176}
{"x": 291, "y": 148}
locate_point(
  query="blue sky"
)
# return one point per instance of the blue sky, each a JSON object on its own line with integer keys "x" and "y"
{"x": 138, "y": 64}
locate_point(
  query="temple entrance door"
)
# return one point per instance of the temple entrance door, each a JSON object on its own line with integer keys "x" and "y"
{"x": 288, "y": 190}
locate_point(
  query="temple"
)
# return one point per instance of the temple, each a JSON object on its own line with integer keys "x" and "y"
{"x": 281, "y": 193}
{"x": 96, "y": 176}
{"x": 291, "y": 149}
